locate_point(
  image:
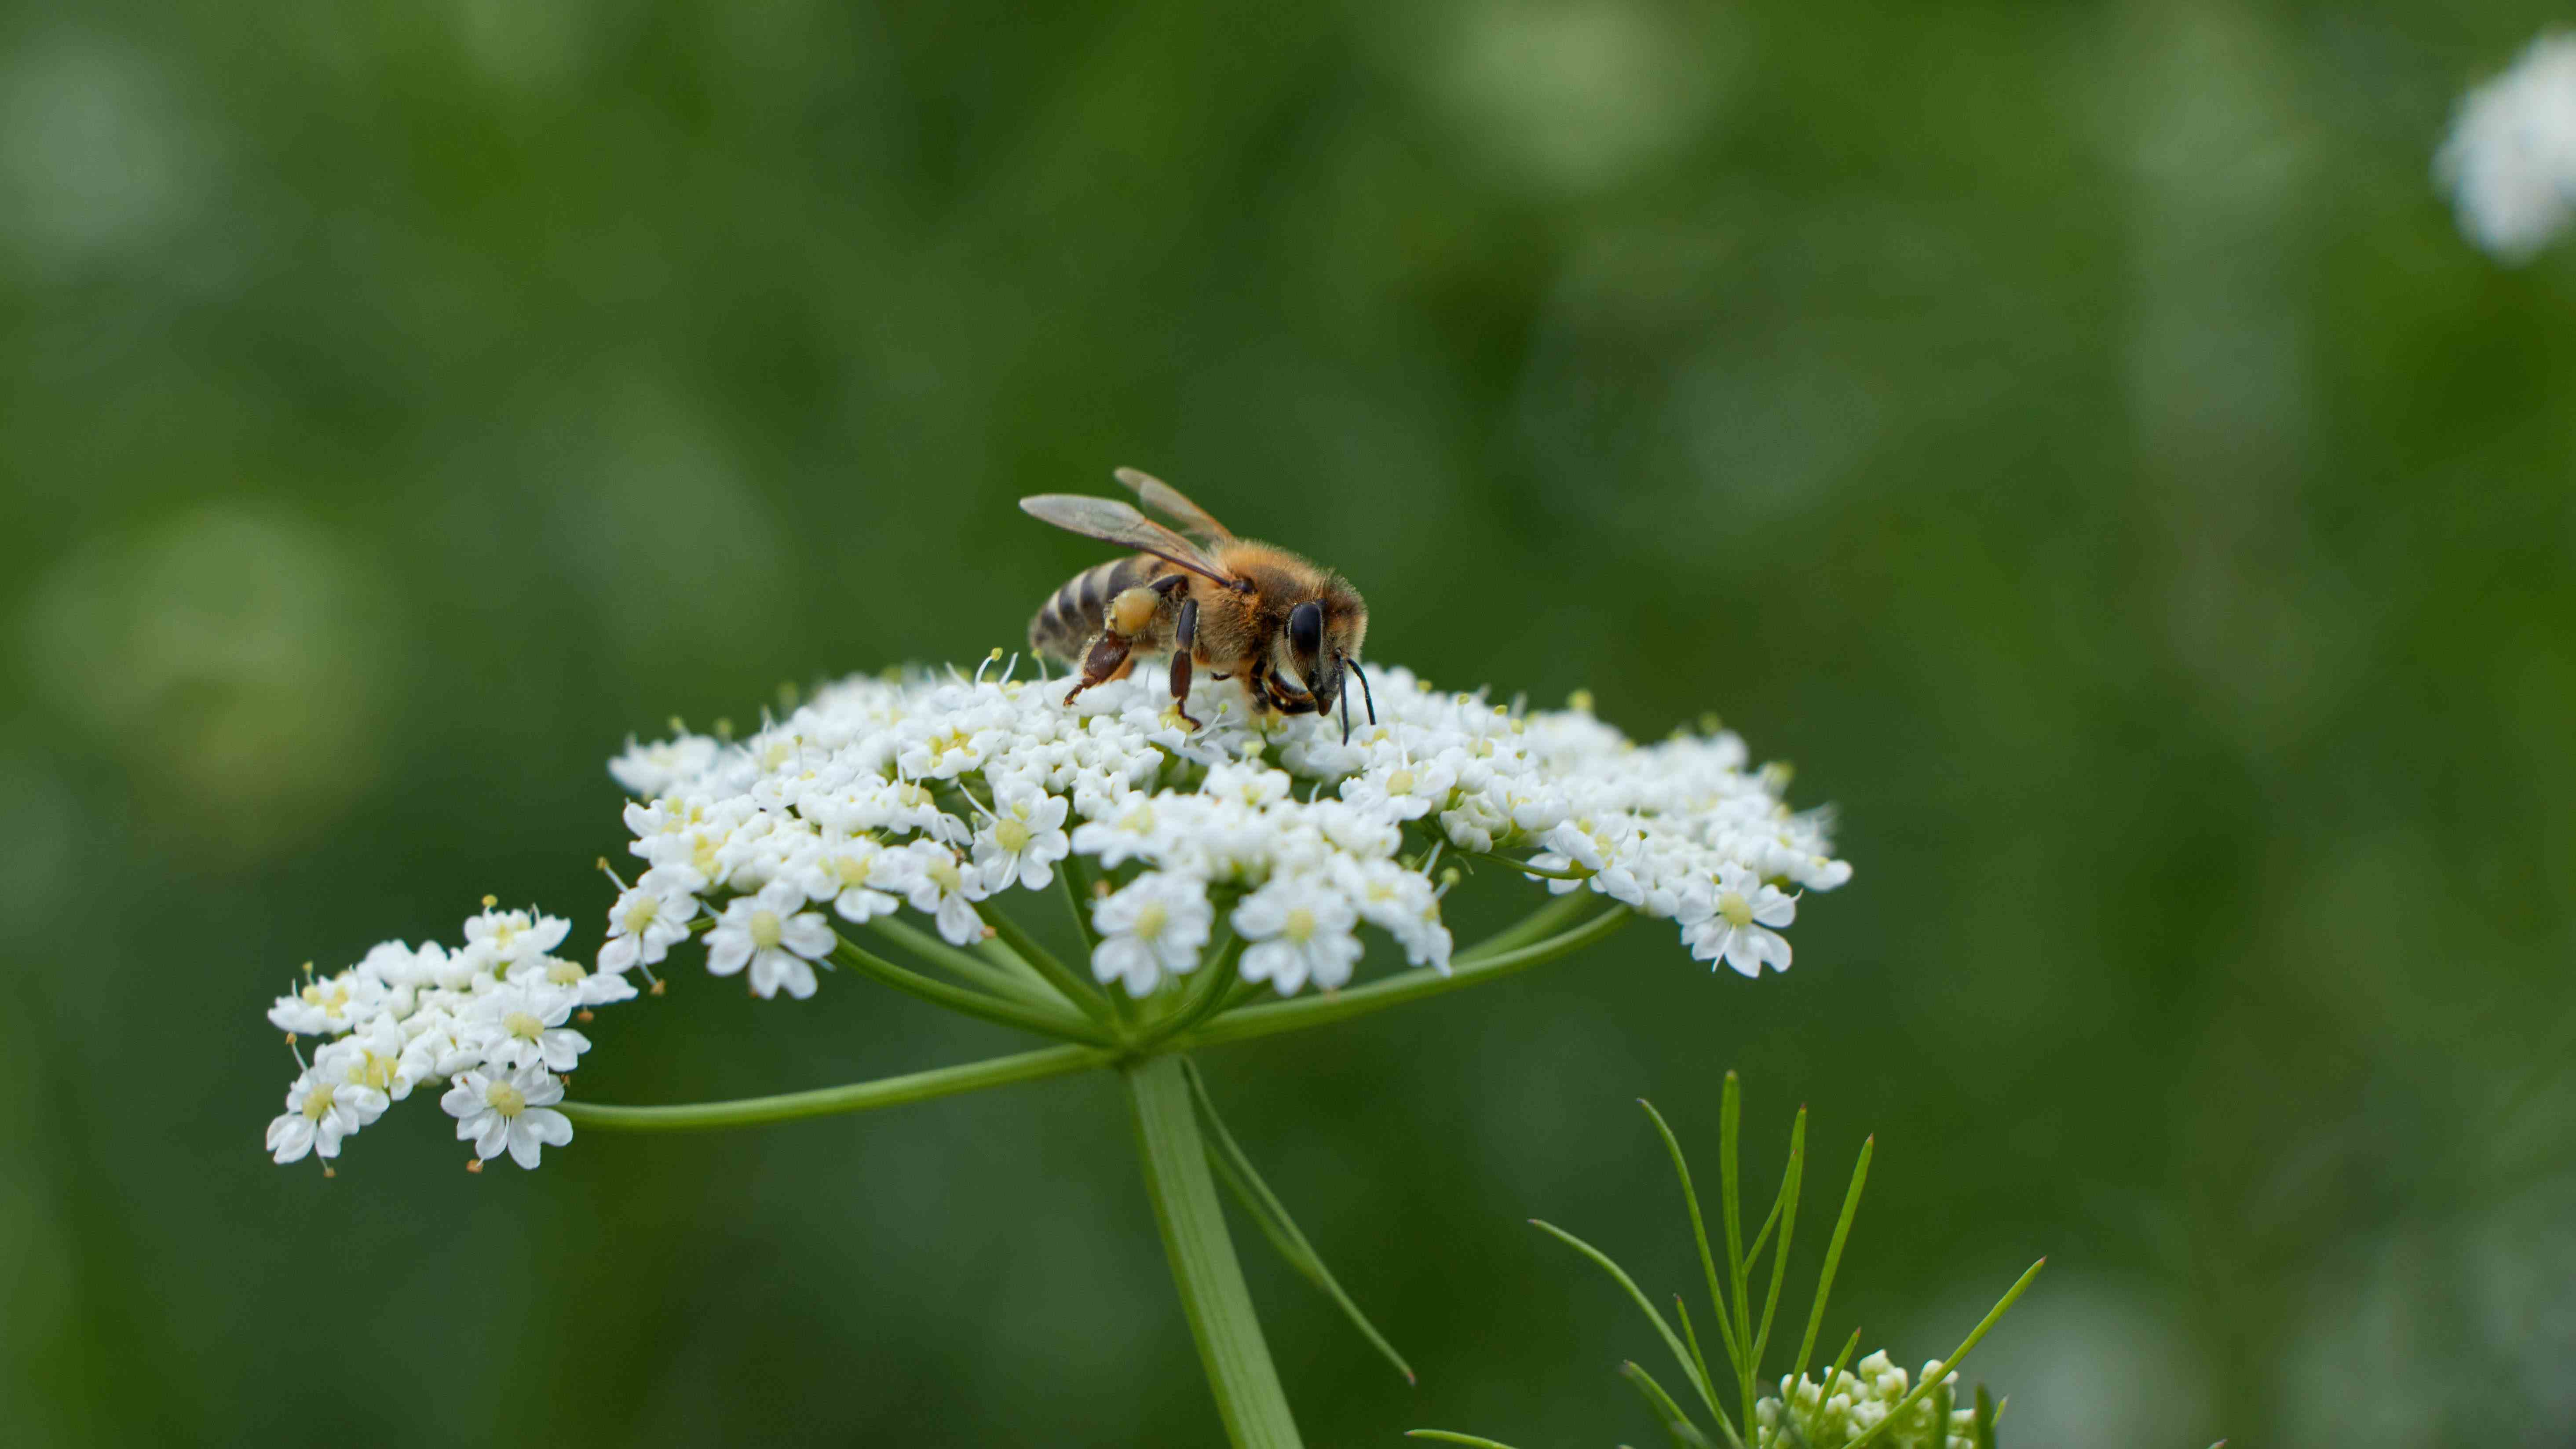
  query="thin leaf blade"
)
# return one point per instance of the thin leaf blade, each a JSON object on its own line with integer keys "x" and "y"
{"x": 1271, "y": 1216}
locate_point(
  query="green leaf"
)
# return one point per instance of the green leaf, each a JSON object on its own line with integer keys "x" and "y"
{"x": 1681, "y": 1355}
{"x": 1950, "y": 1364}
{"x": 1842, "y": 1360}
{"x": 1237, "y": 1172}
{"x": 1834, "y": 1258}
{"x": 1699, "y": 1232}
{"x": 1685, "y": 1434}
{"x": 1447, "y": 1437}
{"x": 1785, "y": 1209}
{"x": 1982, "y": 1434}
{"x": 1691, "y": 1337}
{"x": 1730, "y": 1141}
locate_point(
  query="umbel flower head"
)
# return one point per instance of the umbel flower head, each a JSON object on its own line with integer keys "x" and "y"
{"x": 1852, "y": 1402}
{"x": 1249, "y": 852}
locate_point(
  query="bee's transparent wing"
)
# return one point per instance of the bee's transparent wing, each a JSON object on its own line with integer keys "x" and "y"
{"x": 1173, "y": 504}
{"x": 1111, "y": 521}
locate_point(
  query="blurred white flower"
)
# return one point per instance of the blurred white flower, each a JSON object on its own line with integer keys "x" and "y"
{"x": 1855, "y": 1401}
{"x": 2510, "y": 161}
{"x": 508, "y": 1110}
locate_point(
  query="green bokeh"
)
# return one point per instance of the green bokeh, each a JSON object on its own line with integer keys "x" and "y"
{"x": 2076, "y": 436}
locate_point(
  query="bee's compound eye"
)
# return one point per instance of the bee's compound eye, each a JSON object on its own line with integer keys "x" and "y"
{"x": 1306, "y": 629}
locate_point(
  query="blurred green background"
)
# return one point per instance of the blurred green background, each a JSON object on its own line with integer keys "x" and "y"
{"x": 2075, "y": 436}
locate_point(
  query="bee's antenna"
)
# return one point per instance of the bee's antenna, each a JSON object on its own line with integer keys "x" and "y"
{"x": 1365, "y": 692}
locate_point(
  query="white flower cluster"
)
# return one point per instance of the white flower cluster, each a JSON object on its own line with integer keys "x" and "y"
{"x": 1858, "y": 1400}
{"x": 2510, "y": 162}
{"x": 491, "y": 1018}
{"x": 940, "y": 794}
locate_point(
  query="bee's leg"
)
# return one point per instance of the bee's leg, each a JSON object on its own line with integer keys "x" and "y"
{"x": 1185, "y": 636}
{"x": 1106, "y": 660}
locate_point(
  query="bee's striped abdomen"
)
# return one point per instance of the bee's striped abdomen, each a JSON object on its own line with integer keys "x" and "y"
{"x": 1076, "y": 613}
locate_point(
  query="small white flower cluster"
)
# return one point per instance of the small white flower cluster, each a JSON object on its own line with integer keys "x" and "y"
{"x": 940, "y": 794}
{"x": 2510, "y": 161}
{"x": 1858, "y": 1400}
{"x": 491, "y": 1018}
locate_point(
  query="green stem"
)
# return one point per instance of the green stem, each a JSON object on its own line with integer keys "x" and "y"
{"x": 1045, "y": 1021}
{"x": 1548, "y": 872}
{"x": 1559, "y": 913}
{"x": 1479, "y": 963}
{"x": 1203, "y": 997}
{"x": 1248, "y": 1397}
{"x": 857, "y": 1097}
{"x": 1074, "y": 874}
{"x": 966, "y": 965}
{"x": 1071, "y": 987}
{"x": 1258, "y": 1021}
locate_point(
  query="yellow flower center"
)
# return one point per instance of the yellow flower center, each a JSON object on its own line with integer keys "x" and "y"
{"x": 1012, "y": 836}
{"x": 640, "y": 915}
{"x": 318, "y": 1102}
{"x": 1737, "y": 910}
{"x": 505, "y": 1099}
{"x": 1300, "y": 927}
{"x": 1400, "y": 783}
{"x": 943, "y": 873}
{"x": 850, "y": 869}
{"x": 523, "y": 1026}
{"x": 1151, "y": 921}
{"x": 765, "y": 929}
{"x": 565, "y": 973}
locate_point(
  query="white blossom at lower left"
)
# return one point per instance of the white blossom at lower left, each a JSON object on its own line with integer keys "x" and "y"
{"x": 493, "y": 1017}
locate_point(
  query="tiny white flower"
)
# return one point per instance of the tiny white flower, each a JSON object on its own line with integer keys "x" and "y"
{"x": 935, "y": 881}
{"x": 1157, "y": 924}
{"x": 1740, "y": 927}
{"x": 329, "y": 1005}
{"x": 773, "y": 935}
{"x": 588, "y": 988}
{"x": 649, "y": 770}
{"x": 643, "y": 926}
{"x": 1021, "y": 843}
{"x": 321, "y": 1109}
{"x": 372, "y": 1057}
{"x": 510, "y": 937}
{"x": 1402, "y": 788}
{"x": 508, "y": 1111}
{"x": 837, "y": 871}
{"x": 523, "y": 1025}
{"x": 1300, "y": 928}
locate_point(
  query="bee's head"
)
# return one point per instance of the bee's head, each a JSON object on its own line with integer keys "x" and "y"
{"x": 1322, "y": 642}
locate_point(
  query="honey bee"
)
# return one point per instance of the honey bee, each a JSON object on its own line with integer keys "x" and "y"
{"x": 1289, "y": 628}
